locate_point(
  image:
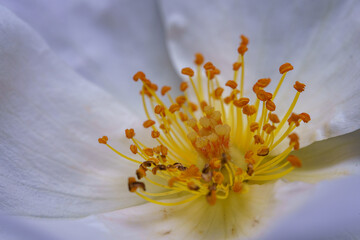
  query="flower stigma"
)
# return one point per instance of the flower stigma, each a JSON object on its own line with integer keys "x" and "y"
{"x": 217, "y": 143}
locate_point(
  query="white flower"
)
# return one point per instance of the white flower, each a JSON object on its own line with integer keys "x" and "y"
{"x": 50, "y": 115}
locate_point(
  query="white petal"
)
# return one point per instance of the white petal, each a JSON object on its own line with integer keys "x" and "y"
{"x": 241, "y": 215}
{"x": 331, "y": 213}
{"x": 51, "y": 163}
{"x": 319, "y": 38}
{"x": 334, "y": 157}
{"x": 107, "y": 42}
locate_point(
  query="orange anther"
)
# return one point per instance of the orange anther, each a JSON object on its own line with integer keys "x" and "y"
{"x": 211, "y": 197}
{"x": 249, "y": 110}
{"x": 183, "y": 117}
{"x": 242, "y": 49}
{"x": 154, "y": 87}
{"x": 238, "y": 172}
{"x": 133, "y": 184}
{"x": 241, "y": 102}
{"x": 263, "y": 96}
{"x": 244, "y": 40}
{"x": 215, "y": 163}
{"x": 199, "y": 59}
{"x": 159, "y": 109}
{"x": 148, "y": 123}
{"x": 300, "y": 87}
{"x": 218, "y": 177}
{"x": 237, "y": 186}
{"x": 183, "y": 86}
{"x": 203, "y": 104}
{"x": 193, "y": 106}
{"x": 295, "y": 161}
{"x": 270, "y": 105}
{"x": 294, "y": 118}
{"x": 285, "y": 68}
{"x": 305, "y": 117}
{"x": 256, "y": 88}
{"x": 216, "y": 71}
{"x": 218, "y": 92}
{"x": 254, "y": 126}
{"x": 141, "y": 172}
{"x": 129, "y": 133}
{"x": 174, "y": 107}
{"x": 139, "y": 75}
{"x": 163, "y": 150}
{"x": 146, "y": 82}
{"x": 164, "y": 90}
{"x": 155, "y": 134}
{"x": 188, "y": 71}
{"x": 231, "y": 84}
{"x": 258, "y": 139}
{"x": 209, "y": 66}
{"x": 103, "y": 140}
{"x": 269, "y": 129}
{"x": 263, "y": 82}
{"x": 274, "y": 118}
{"x": 294, "y": 140}
{"x": 263, "y": 151}
{"x": 236, "y": 66}
{"x": 210, "y": 74}
{"x": 133, "y": 149}
{"x": 172, "y": 181}
{"x": 228, "y": 100}
{"x": 180, "y": 100}
{"x": 149, "y": 152}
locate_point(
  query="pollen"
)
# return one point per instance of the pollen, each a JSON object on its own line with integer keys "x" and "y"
{"x": 220, "y": 141}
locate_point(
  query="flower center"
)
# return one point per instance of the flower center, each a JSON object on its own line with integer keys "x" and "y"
{"x": 216, "y": 144}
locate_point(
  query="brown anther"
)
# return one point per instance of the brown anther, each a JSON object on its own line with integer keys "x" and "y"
{"x": 237, "y": 186}
{"x": 199, "y": 59}
{"x": 141, "y": 172}
{"x": 192, "y": 186}
{"x": 215, "y": 163}
{"x": 147, "y": 164}
{"x": 300, "y": 87}
{"x": 274, "y": 118}
{"x": 241, "y": 102}
{"x": 236, "y": 66}
{"x": 244, "y": 40}
{"x": 249, "y": 110}
{"x": 193, "y": 106}
{"x": 139, "y": 75}
{"x": 218, "y": 177}
{"x": 218, "y": 92}
{"x": 154, "y": 170}
{"x": 254, "y": 126}
{"x": 183, "y": 117}
{"x": 188, "y": 71}
{"x": 165, "y": 89}
{"x": 203, "y": 104}
{"x": 305, "y": 117}
{"x": 263, "y": 82}
{"x": 164, "y": 150}
{"x": 174, "y": 107}
{"x": 159, "y": 109}
{"x": 162, "y": 167}
{"x": 133, "y": 184}
{"x": 148, "y": 123}
{"x": 263, "y": 151}
{"x": 155, "y": 134}
{"x": 133, "y": 149}
{"x": 250, "y": 169}
{"x": 270, "y": 105}
{"x": 129, "y": 133}
{"x": 258, "y": 139}
{"x": 103, "y": 140}
{"x": 206, "y": 173}
{"x": 180, "y": 100}
{"x": 211, "y": 197}
{"x": 209, "y": 66}
{"x": 183, "y": 86}
{"x": 242, "y": 49}
{"x": 295, "y": 161}
{"x": 285, "y": 68}
{"x": 263, "y": 96}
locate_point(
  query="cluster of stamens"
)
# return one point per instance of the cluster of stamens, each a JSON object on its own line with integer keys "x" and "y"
{"x": 217, "y": 144}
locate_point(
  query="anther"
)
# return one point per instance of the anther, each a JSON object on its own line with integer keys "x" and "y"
{"x": 218, "y": 177}
{"x": 211, "y": 197}
{"x": 244, "y": 40}
{"x": 183, "y": 117}
{"x": 133, "y": 149}
{"x": 149, "y": 152}
{"x": 218, "y": 92}
{"x": 259, "y": 140}
{"x": 148, "y": 123}
{"x": 295, "y": 161}
{"x": 300, "y": 87}
{"x": 129, "y": 133}
{"x": 286, "y": 67}
{"x": 155, "y": 134}
{"x": 274, "y": 118}
{"x": 263, "y": 96}
{"x": 236, "y": 66}
{"x": 294, "y": 140}
{"x": 208, "y": 110}
{"x": 263, "y": 82}
{"x": 241, "y": 102}
{"x": 305, "y": 117}
{"x": 209, "y": 66}
{"x": 183, "y": 86}
{"x": 159, "y": 109}
{"x": 263, "y": 151}
{"x": 141, "y": 172}
{"x": 103, "y": 140}
{"x": 237, "y": 186}
{"x": 193, "y": 106}
{"x": 249, "y": 110}
{"x": 192, "y": 186}
{"x": 254, "y": 126}
{"x": 164, "y": 90}
{"x": 174, "y": 107}
{"x": 133, "y": 184}
{"x": 242, "y": 49}
{"x": 188, "y": 71}
{"x": 270, "y": 105}
{"x": 199, "y": 59}
{"x": 215, "y": 163}
{"x": 139, "y": 75}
